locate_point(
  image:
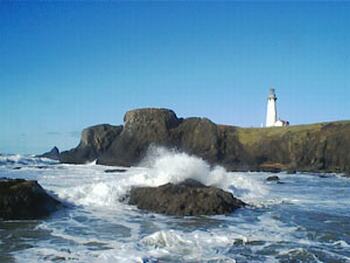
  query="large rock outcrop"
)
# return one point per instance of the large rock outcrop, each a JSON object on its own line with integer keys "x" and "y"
{"x": 188, "y": 198}
{"x": 141, "y": 128}
{"x": 95, "y": 141}
{"x": 318, "y": 147}
{"x": 21, "y": 199}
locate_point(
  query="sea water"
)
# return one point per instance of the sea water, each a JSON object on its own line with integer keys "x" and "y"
{"x": 304, "y": 219}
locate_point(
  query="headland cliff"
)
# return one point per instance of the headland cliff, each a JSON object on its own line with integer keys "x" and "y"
{"x": 322, "y": 147}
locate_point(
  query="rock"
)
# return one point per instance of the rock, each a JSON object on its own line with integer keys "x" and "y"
{"x": 273, "y": 178}
{"x": 321, "y": 147}
{"x": 94, "y": 142}
{"x": 142, "y": 128}
{"x": 150, "y": 118}
{"x": 198, "y": 136}
{"x": 115, "y": 170}
{"x": 41, "y": 167}
{"x": 324, "y": 175}
{"x": 188, "y": 198}
{"x": 54, "y": 154}
{"x": 21, "y": 199}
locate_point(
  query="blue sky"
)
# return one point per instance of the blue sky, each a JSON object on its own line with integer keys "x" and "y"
{"x": 65, "y": 66}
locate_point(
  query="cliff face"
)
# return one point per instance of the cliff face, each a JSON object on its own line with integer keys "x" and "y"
{"x": 94, "y": 142}
{"x": 141, "y": 128}
{"x": 318, "y": 147}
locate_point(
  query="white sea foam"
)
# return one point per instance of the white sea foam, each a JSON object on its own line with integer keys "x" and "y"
{"x": 23, "y": 160}
{"x": 100, "y": 228}
{"x": 191, "y": 245}
{"x": 342, "y": 244}
{"x": 161, "y": 166}
{"x": 172, "y": 166}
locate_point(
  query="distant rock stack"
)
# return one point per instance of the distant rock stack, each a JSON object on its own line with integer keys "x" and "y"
{"x": 54, "y": 154}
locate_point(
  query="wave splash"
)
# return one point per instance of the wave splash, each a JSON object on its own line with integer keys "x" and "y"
{"x": 160, "y": 166}
{"x": 171, "y": 166}
{"x": 23, "y": 160}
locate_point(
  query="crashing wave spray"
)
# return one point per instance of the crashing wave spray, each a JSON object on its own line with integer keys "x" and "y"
{"x": 165, "y": 165}
{"x": 160, "y": 166}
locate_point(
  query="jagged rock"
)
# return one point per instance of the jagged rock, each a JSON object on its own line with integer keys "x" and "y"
{"x": 94, "y": 142}
{"x": 142, "y": 127}
{"x": 54, "y": 154}
{"x": 21, "y": 199}
{"x": 188, "y": 198}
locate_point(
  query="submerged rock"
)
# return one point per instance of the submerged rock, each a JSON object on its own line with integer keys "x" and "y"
{"x": 54, "y": 154}
{"x": 21, "y": 199}
{"x": 273, "y": 178}
{"x": 188, "y": 198}
{"x": 115, "y": 170}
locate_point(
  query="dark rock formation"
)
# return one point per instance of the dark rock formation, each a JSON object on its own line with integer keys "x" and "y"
{"x": 21, "y": 199}
{"x": 115, "y": 170}
{"x": 54, "y": 154}
{"x": 142, "y": 128}
{"x": 311, "y": 148}
{"x": 189, "y": 198}
{"x": 94, "y": 142}
{"x": 273, "y": 178}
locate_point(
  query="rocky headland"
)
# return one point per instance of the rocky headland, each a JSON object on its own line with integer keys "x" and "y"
{"x": 322, "y": 147}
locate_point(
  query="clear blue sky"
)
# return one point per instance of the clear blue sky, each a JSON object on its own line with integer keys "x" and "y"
{"x": 65, "y": 66}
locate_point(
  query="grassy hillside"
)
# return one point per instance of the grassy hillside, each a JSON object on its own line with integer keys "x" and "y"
{"x": 320, "y": 146}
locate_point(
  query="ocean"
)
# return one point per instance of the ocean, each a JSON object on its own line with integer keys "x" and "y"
{"x": 306, "y": 218}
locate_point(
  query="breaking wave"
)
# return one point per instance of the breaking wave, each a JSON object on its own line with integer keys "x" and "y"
{"x": 305, "y": 218}
{"x": 161, "y": 166}
{"x": 23, "y": 160}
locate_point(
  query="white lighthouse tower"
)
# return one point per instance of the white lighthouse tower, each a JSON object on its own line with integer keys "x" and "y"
{"x": 271, "y": 114}
{"x": 272, "y": 119}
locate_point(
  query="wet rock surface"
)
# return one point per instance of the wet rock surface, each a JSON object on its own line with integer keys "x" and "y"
{"x": 115, "y": 170}
{"x": 21, "y": 199}
{"x": 188, "y": 198}
{"x": 273, "y": 178}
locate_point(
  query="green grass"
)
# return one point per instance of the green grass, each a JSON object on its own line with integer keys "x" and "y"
{"x": 250, "y": 136}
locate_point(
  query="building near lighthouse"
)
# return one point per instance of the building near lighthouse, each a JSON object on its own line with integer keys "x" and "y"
{"x": 272, "y": 119}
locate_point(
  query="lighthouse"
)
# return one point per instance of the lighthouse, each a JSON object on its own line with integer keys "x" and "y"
{"x": 272, "y": 119}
